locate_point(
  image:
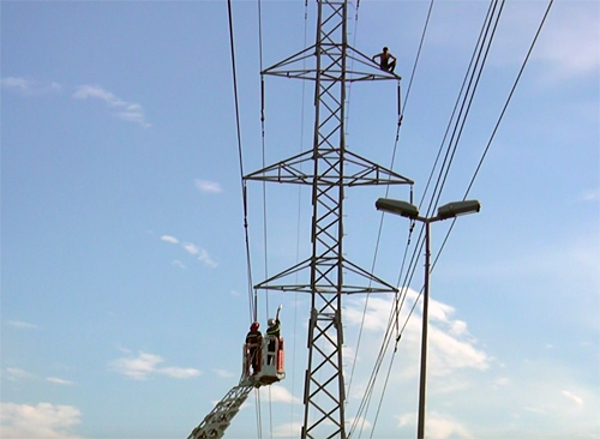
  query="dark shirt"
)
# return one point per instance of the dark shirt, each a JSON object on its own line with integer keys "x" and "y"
{"x": 254, "y": 338}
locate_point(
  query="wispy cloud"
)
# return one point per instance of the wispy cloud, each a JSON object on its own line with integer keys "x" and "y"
{"x": 29, "y": 87}
{"x": 14, "y": 373}
{"x": 192, "y": 249}
{"x": 221, "y": 373}
{"x": 278, "y": 393}
{"x": 170, "y": 239}
{"x": 126, "y": 111}
{"x": 591, "y": 195}
{"x": 438, "y": 426}
{"x": 206, "y": 259}
{"x": 60, "y": 381}
{"x": 144, "y": 366}
{"x": 570, "y": 44}
{"x": 179, "y": 264}
{"x": 41, "y": 421}
{"x": 21, "y": 325}
{"x": 291, "y": 429}
{"x": 572, "y": 397}
{"x": 208, "y": 186}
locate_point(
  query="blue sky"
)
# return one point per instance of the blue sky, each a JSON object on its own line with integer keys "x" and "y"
{"x": 124, "y": 295}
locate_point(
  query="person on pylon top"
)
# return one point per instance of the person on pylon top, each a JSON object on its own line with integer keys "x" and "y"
{"x": 387, "y": 61}
{"x": 253, "y": 345}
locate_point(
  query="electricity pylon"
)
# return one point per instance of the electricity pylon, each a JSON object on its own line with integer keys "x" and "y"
{"x": 334, "y": 168}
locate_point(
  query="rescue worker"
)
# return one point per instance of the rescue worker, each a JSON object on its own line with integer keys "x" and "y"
{"x": 273, "y": 332}
{"x": 274, "y": 327}
{"x": 253, "y": 346}
{"x": 387, "y": 61}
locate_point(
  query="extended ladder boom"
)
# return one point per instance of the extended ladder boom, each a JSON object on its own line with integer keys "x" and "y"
{"x": 216, "y": 422}
{"x": 269, "y": 370}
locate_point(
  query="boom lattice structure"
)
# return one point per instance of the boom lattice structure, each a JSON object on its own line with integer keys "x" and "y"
{"x": 216, "y": 422}
{"x": 334, "y": 168}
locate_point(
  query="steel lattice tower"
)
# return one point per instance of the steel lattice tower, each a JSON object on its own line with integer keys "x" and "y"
{"x": 334, "y": 169}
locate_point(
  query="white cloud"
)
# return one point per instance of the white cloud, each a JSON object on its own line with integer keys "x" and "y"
{"x": 29, "y": 87}
{"x": 192, "y": 249}
{"x": 572, "y": 397}
{"x": 128, "y": 112}
{"x": 179, "y": 264}
{"x": 146, "y": 365}
{"x": 179, "y": 372}
{"x": 59, "y": 381}
{"x": 223, "y": 373}
{"x": 208, "y": 186}
{"x": 437, "y": 426}
{"x": 360, "y": 422}
{"x": 278, "y": 393}
{"x": 170, "y": 239}
{"x": 291, "y": 429}
{"x": 41, "y": 421}
{"x": 22, "y": 325}
{"x": 15, "y": 373}
{"x": 503, "y": 381}
{"x": 94, "y": 91}
{"x": 207, "y": 259}
{"x": 442, "y": 427}
{"x": 591, "y": 195}
{"x": 17, "y": 83}
{"x": 570, "y": 44}
{"x": 451, "y": 346}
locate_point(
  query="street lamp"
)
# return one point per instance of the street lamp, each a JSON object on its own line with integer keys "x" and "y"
{"x": 447, "y": 211}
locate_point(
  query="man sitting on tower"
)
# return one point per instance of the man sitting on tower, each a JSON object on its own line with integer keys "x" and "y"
{"x": 387, "y": 61}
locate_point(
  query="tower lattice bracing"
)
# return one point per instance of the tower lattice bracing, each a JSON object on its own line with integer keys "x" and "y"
{"x": 334, "y": 169}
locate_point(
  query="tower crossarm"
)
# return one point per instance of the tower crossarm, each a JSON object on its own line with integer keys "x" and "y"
{"x": 302, "y": 65}
{"x": 360, "y": 171}
{"x": 213, "y": 426}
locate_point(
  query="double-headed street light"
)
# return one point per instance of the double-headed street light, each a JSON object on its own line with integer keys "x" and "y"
{"x": 447, "y": 211}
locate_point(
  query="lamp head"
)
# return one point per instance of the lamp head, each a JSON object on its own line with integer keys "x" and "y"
{"x": 397, "y": 207}
{"x": 458, "y": 208}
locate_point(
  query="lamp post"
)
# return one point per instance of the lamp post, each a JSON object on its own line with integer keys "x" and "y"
{"x": 447, "y": 211}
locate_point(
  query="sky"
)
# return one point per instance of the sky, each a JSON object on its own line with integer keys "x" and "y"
{"x": 124, "y": 295}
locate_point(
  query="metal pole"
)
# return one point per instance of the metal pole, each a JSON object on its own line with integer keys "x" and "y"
{"x": 421, "y": 419}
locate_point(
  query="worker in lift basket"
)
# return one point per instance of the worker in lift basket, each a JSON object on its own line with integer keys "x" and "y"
{"x": 273, "y": 330}
{"x": 253, "y": 344}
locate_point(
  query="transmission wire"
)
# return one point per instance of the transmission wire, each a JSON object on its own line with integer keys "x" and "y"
{"x": 264, "y": 185}
{"x": 419, "y": 244}
{"x": 471, "y": 71}
{"x": 494, "y": 131}
{"x": 394, "y": 151}
{"x": 496, "y": 126}
{"x": 252, "y": 300}
{"x": 298, "y": 222}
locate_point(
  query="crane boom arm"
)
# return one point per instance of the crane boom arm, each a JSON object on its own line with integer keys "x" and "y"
{"x": 213, "y": 426}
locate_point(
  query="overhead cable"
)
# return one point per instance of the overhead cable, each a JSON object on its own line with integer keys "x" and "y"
{"x": 252, "y": 300}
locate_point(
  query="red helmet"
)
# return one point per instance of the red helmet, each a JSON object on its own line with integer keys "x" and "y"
{"x": 254, "y": 327}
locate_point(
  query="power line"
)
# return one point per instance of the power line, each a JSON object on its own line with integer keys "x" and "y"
{"x": 380, "y": 229}
{"x": 464, "y": 99}
{"x": 496, "y": 126}
{"x": 489, "y": 143}
{"x": 252, "y": 300}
